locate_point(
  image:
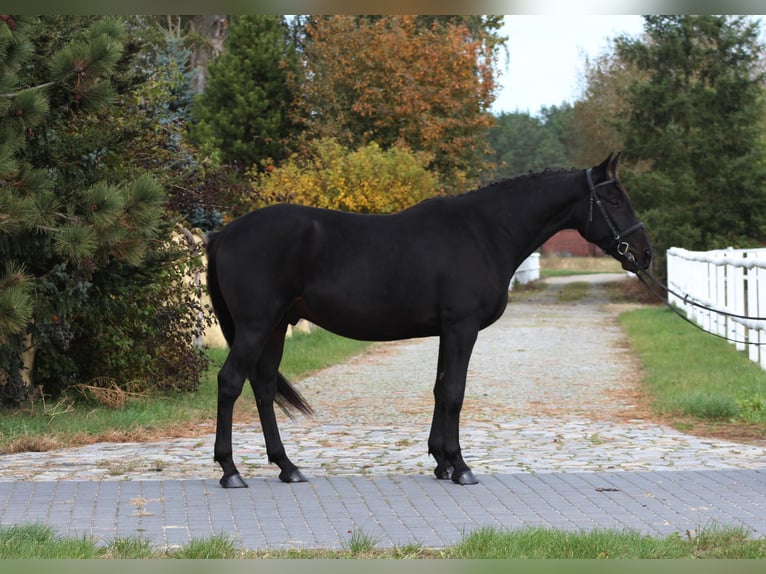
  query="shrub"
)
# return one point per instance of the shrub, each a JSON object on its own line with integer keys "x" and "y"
{"x": 368, "y": 180}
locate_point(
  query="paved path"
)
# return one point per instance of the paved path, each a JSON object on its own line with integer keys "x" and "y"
{"x": 550, "y": 425}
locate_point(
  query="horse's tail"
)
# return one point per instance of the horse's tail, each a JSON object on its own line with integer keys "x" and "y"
{"x": 287, "y": 395}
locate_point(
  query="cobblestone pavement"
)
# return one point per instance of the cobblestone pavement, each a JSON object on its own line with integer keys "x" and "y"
{"x": 552, "y": 392}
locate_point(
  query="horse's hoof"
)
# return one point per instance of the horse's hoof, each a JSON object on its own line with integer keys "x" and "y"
{"x": 293, "y": 476}
{"x": 464, "y": 478}
{"x": 233, "y": 481}
{"x": 443, "y": 473}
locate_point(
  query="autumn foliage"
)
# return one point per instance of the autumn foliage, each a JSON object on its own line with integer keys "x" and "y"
{"x": 366, "y": 180}
{"x": 399, "y": 80}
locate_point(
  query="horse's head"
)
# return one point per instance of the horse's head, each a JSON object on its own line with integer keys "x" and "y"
{"x": 610, "y": 221}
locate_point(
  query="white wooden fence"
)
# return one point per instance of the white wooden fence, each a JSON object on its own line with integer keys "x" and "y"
{"x": 733, "y": 280}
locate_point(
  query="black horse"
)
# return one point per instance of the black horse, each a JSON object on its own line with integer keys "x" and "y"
{"x": 440, "y": 268}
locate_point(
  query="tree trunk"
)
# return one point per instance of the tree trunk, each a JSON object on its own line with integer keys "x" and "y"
{"x": 211, "y": 31}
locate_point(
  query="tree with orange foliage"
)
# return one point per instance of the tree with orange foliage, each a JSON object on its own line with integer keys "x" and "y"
{"x": 425, "y": 83}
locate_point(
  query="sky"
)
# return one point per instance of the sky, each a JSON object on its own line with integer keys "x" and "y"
{"x": 546, "y": 56}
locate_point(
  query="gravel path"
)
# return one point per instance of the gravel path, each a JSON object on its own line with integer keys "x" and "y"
{"x": 552, "y": 387}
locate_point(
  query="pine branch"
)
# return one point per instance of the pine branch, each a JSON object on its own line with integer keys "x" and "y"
{"x": 16, "y": 303}
{"x": 30, "y": 89}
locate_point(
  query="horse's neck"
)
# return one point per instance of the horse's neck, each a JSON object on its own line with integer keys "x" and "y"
{"x": 532, "y": 213}
{"x": 557, "y": 210}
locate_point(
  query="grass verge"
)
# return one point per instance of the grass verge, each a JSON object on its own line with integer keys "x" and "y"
{"x": 40, "y": 541}
{"x": 696, "y": 380}
{"x": 70, "y": 422}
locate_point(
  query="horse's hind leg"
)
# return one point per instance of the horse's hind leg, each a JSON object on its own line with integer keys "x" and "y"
{"x": 264, "y": 384}
{"x": 231, "y": 378}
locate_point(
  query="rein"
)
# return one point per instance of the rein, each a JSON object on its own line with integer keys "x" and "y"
{"x": 623, "y": 247}
{"x": 643, "y": 275}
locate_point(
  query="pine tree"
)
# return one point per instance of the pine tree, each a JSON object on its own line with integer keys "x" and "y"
{"x": 18, "y": 114}
{"x": 695, "y": 131}
{"x": 243, "y": 113}
{"x": 54, "y": 234}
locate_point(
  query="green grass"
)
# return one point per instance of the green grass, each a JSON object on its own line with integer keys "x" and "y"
{"x": 690, "y": 373}
{"x": 573, "y": 292}
{"x": 600, "y": 544}
{"x": 216, "y": 547}
{"x": 40, "y": 541}
{"x": 67, "y": 421}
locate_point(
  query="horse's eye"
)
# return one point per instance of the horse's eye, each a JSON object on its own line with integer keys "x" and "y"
{"x": 613, "y": 197}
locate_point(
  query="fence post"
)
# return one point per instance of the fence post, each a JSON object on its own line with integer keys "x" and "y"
{"x": 758, "y": 309}
{"x": 735, "y": 295}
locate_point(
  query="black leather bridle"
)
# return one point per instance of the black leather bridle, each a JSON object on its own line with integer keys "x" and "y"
{"x": 623, "y": 247}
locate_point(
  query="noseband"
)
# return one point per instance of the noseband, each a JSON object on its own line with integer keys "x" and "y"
{"x": 623, "y": 247}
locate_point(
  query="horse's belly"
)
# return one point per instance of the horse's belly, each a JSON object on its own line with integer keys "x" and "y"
{"x": 373, "y": 320}
{"x": 377, "y": 332}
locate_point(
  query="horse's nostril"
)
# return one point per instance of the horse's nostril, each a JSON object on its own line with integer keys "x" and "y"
{"x": 647, "y": 255}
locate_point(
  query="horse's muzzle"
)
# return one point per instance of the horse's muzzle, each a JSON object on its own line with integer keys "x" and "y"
{"x": 632, "y": 263}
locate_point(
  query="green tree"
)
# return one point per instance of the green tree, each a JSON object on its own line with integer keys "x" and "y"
{"x": 89, "y": 273}
{"x": 45, "y": 231}
{"x": 522, "y": 143}
{"x": 244, "y": 112}
{"x": 694, "y": 130}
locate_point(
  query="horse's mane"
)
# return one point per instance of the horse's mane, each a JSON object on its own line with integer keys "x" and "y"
{"x": 505, "y": 183}
{"x": 502, "y": 185}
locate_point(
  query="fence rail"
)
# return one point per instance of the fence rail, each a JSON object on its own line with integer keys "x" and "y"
{"x": 732, "y": 280}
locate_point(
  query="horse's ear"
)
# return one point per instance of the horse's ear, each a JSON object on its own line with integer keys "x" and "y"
{"x": 604, "y": 168}
{"x": 610, "y": 165}
{"x": 614, "y": 160}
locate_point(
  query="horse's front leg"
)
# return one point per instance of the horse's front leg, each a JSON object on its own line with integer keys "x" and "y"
{"x": 443, "y": 470}
{"x": 231, "y": 378}
{"x": 455, "y": 349}
{"x": 264, "y": 385}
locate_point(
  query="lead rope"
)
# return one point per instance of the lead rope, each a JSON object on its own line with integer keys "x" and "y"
{"x": 690, "y": 301}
